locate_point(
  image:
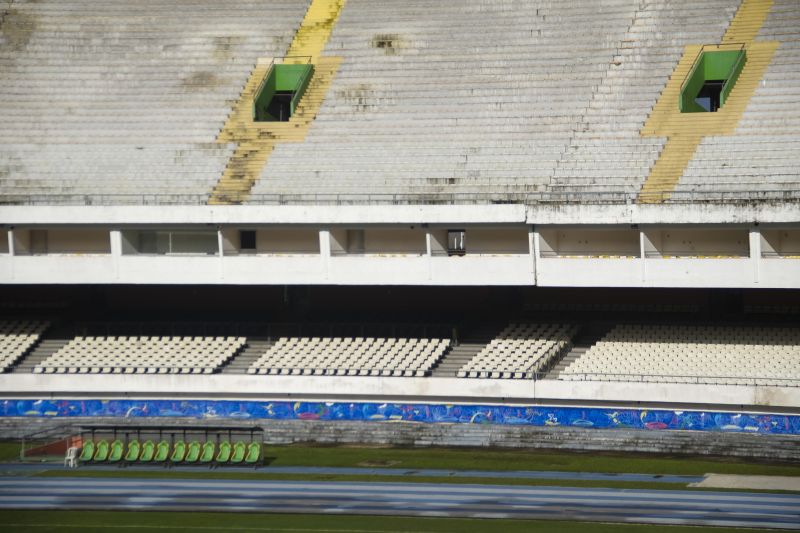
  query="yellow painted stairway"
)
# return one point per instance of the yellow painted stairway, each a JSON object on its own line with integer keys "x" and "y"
{"x": 256, "y": 140}
{"x": 685, "y": 131}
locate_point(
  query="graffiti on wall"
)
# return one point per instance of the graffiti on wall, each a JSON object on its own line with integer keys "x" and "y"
{"x": 604, "y": 418}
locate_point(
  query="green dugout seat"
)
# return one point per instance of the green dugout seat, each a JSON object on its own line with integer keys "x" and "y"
{"x": 101, "y": 451}
{"x": 87, "y": 452}
{"x": 224, "y": 453}
{"x": 207, "y": 454}
{"x": 162, "y": 452}
{"x": 148, "y": 451}
{"x": 178, "y": 452}
{"x": 117, "y": 449}
{"x": 134, "y": 449}
{"x": 192, "y": 452}
{"x": 253, "y": 453}
{"x": 239, "y": 451}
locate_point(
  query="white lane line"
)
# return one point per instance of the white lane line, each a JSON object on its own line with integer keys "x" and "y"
{"x": 394, "y": 487}
{"x": 630, "y": 498}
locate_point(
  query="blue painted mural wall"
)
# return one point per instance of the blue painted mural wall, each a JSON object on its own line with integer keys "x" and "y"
{"x": 426, "y": 413}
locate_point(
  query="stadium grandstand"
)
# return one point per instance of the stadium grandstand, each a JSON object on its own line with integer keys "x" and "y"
{"x": 562, "y": 221}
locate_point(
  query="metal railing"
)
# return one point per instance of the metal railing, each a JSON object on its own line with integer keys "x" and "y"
{"x": 299, "y": 87}
{"x": 528, "y": 198}
{"x": 729, "y": 76}
{"x": 759, "y": 381}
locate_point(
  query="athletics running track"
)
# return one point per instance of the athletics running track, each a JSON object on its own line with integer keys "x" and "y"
{"x": 413, "y": 499}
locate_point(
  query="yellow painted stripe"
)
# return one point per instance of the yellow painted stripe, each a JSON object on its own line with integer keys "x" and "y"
{"x": 314, "y": 32}
{"x": 748, "y": 21}
{"x": 685, "y": 131}
{"x": 256, "y": 140}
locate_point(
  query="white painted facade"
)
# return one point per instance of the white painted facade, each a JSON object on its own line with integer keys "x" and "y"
{"x": 332, "y": 388}
{"x": 687, "y": 245}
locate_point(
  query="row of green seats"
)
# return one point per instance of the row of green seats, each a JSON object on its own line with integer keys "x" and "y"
{"x": 193, "y": 452}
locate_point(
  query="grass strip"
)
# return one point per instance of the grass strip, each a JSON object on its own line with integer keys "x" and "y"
{"x": 104, "y": 521}
{"x": 510, "y": 460}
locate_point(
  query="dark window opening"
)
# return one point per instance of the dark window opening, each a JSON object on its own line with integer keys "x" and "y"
{"x": 710, "y": 94}
{"x": 247, "y": 240}
{"x": 280, "y": 92}
{"x": 280, "y": 106}
{"x": 456, "y": 242}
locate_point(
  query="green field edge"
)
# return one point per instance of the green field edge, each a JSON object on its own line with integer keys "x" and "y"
{"x": 102, "y": 521}
{"x": 501, "y": 460}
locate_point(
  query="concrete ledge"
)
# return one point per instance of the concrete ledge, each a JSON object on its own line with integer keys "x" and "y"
{"x": 424, "y": 390}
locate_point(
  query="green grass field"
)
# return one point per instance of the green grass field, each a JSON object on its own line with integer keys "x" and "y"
{"x": 102, "y": 521}
{"x": 508, "y": 460}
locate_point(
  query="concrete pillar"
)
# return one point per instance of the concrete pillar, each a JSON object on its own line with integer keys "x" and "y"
{"x": 11, "y": 252}
{"x": 116, "y": 250}
{"x": 755, "y": 253}
{"x": 643, "y": 255}
{"x": 537, "y": 253}
{"x": 325, "y": 251}
{"x": 220, "y": 252}
{"x": 532, "y": 252}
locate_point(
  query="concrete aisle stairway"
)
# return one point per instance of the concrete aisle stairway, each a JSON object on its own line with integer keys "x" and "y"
{"x": 254, "y": 349}
{"x": 257, "y": 140}
{"x": 40, "y": 352}
{"x": 587, "y": 337}
{"x": 467, "y": 348}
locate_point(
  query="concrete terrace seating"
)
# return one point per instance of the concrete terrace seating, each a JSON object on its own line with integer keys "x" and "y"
{"x": 692, "y": 354}
{"x": 16, "y": 338}
{"x": 764, "y": 154}
{"x": 142, "y": 355}
{"x": 111, "y": 97}
{"x": 519, "y": 351}
{"x": 546, "y": 97}
{"x": 348, "y": 356}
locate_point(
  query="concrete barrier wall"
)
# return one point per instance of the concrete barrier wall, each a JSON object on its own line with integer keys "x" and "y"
{"x": 645, "y": 419}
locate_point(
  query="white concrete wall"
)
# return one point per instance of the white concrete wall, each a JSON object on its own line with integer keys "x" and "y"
{"x": 393, "y": 253}
{"x": 394, "y": 241}
{"x": 780, "y": 242}
{"x": 401, "y": 269}
{"x": 590, "y": 242}
{"x": 565, "y": 214}
{"x": 699, "y": 242}
{"x": 332, "y": 388}
{"x": 497, "y": 241}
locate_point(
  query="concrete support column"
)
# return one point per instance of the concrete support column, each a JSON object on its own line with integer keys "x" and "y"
{"x": 533, "y": 247}
{"x": 643, "y": 255}
{"x": 11, "y": 252}
{"x": 116, "y": 250}
{"x": 536, "y": 246}
{"x": 755, "y": 253}
{"x": 220, "y": 253}
{"x": 325, "y": 251}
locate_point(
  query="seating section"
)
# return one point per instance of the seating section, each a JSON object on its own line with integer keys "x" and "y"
{"x": 520, "y": 351}
{"x": 347, "y": 356}
{"x": 142, "y": 355}
{"x": 548, "y": 99}
{"x": 692, "y": 354}
{"x": 16, "y": 338}
{"x": 111, "y": 101}
{"x": 211, "y": 453}
{"x": 762, "y": 156}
